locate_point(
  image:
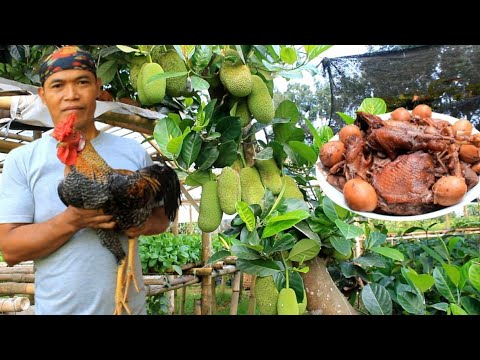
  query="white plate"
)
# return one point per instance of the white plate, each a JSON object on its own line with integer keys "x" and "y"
{"x": 337, "y": 196}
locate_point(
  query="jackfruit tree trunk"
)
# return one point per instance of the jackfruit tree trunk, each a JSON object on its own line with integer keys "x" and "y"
{"x": 323, "y": 296}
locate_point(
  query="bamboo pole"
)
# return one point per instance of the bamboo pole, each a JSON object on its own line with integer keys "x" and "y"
{"x": 171, "y": 296}
{"x": 214, "y": 296}
{"x": 160, "y": 289}
{"x": 15, "y": 304}
{"x": 184, "y": 298}
{"x": 197, "y": 306}
{"x": 189, "y": 197}
{"x": 16, "y": 269}
{"x": 11, "y": 288}
{"x": 190, "y": 224}
{"x": 7, "y": 146}
{"x": 252, "y": 301}
{"x": 235, "y": 293}
{"x": 37, "y": 134}
{"x": 222, "y": 286}
{"x": 206, "y": 280}
{"x": 14, "y": 136}
{"x": 175, "y": 225}
{"x": 128, "y": 121}
{"x": 19, "y": 278}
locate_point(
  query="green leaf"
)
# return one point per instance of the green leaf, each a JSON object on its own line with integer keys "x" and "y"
{"x": 471, "y": 305}
{"x": 174, "y": 146}
{"x": 442, "y": 306}
{"x": 347, "y": 230}
{"x": 304, "y": 150}
{"x": 126, "y": 49}
{"x": 304, "y": 250}
{"x": 198, "y": 84}
{"x": 342, "y": 245}
{"x": 207, "y": 157}
{"x": 326, "y": 133}
{"x": 245, "y": 253}
{"x": 230, "y": 127}
{"x": 191, "y": 148}
{"x": 453, "y": 273}
{"x": 288, "y": 55}
{"x": 422, "y": 282}
{"x": 474, "y": 275}
{"x": 165, "y": 129}
{"x": 375, "y": 238}
{"x": 201, "y": 57}
{"x": 264, "y": 154}
{"x": 282, "y": 222}
{"x": 303, "y": 227}
{"x": 287, "y": 110}
{"x": 246, "y": 214}
{"x": 442, "y": 284}
{"x": 283, "y": 133}
{"x": 315, "y": 50}
{"x": 373, "y": 106}
{"x": 457, "y": 310}
{"x": 198, "y": 178}
{"x": 218, "y": 256}
{"x": 348, "y": 119}
{"x": 376, "y": 299}
{"x": 464, "y": 272}
{"x": 258, "y": 267}
{"x": 227, "y": 154}
{"x": 389, "y": 253}
{"x": 329, "y": 209}
{"x": 177, "y": 269}
{"x": 107, "y": 71}
{"x": 411, "y": 301}
{"x": 285, "y": 242}
{"x": 370, "y": 260}
{"x": 431, "y": 252}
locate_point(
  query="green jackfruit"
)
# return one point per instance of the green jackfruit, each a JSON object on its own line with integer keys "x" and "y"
{"x": 266, "y": 294}
{"x": 210, "y": 214}
{"x": 303, "y": 305}
{"x": 229, "y": 191}
{"x": 135, "y": 66}
{"x": 291, "y": 189}
{"x": 259, "y": 101}
{"x": 153, "y": 92}
{"x": 172, "y": 62}
{"x": 252, "y": 188}
{"x": 236, "y": 78}
{"x": 270, "y": 175}
{"x": 287, "y": 302}
{"x": 243, "y": 112}
{"x": 237, "y": 165}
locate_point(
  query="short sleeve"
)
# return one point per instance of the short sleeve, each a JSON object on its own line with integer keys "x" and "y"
{"x": 16, "y": 198}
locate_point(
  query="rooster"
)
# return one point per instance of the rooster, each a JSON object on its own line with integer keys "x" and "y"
{"x": 129, "y": 196}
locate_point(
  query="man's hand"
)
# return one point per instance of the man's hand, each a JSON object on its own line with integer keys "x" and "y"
{"x": 156, "y": 223}
{"x": 83, "y": 218}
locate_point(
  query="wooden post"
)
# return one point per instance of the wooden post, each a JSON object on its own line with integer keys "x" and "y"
{"x": 222, "y": 286}
{"x": 235, "y": 293}
{"x": 14, "y": 304}
{"x": 190, "y": 225}
{"x": 37, "y": 134}
{"x": 11, "y": 288}
{"x": 175, "y": 225}
{"x": 214, "y": 296}
{"x": 252, "y": 301}
{"x": 171, "y": 297}
{"x": 206, "y": 280}
{"x": 197, "y": 306}
{"x": 184, "y": 298}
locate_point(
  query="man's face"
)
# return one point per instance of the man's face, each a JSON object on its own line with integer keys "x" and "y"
{"x": 69, "y": 91}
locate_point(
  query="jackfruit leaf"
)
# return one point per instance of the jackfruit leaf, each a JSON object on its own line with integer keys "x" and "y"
{"x": 443, "y": 285}
{"x": 410, "y": 300}
{"x": 201, "y": 57}
{"x": 471, "y": 305}
{"x": 242, "y": 252}
{"x": 442, "y": 306}
{"x": 376, "y": 299}
{"x": 388, "y": 252}
{"x": 230, "y": 127}
{"x": 285, "y": 242}
{"x": 188, "y": 102}
{"x": 166, "y": 75}
{"x": 174, "y": 146}
{"x": 304, "y": 269}
{"x": 207, "y": 156}
{"x": 227, "y": 154}
{"x": 282, "y": 222}
{"x": 107, "y": 71}
{"x": 347, "y": 230}
{"x": 219, "y": 255}
{"x": 296, "y": 159}
{"x": 431, "y": 252}
{"x": 369, "y": 260}
{"x": 317, "y": 140}
{"x": 330, "y": 209}
{"x": 259, "y": 267}
{"x": 304, "y": 150}
{"x": 126, "y": 49}
{"x": 326, "y": 133}
{"x": 303, "y": 227}
{"x": 199, "y": 84}
{"x": 253, "y": 238}
{"x": 464, "y": 272}
{"x": 287, "y": 110}
{"x": 165, "y": 129}
{"x": 271, "y": 67}
{"x": 177, "y": 119}
{"x": 284, "y": 133}
{"x": 457, "y": 310}
{"x": 474, "y": 275}
{"x": 373, "y": 106}
{"x": 347, "y": 118}
{"x": 198, "y": 178}
{"x": 314, "y": 50}
{"x": 191, "y": 148}
{"x": 295, "y": 282}
{"x": 349, "y": 270}
{"x": 274, "y": 51}
{"x": 246, "y": 214}
{"x": 213, "y": 135}
{"x": 453, "y": 273}
{"x": 233, "y": 110}
{"x": 264, "y": 154}
{"x": 185, "y": 51}
{"x": 342, "y": 245}
{"x": 304, "y": 250}
{"x": 375, "y": 238}
{"x": 290, "y": 204}
{"x": 240, "y": 53}
{"x": 291, "y": 74}
{"x": 422, "y": 282}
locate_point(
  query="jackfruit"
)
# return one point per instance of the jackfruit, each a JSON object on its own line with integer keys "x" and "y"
{"x": 210, "y": 214}
{"x": 135, "y": 66}
{"x": 236, "y": 76}
{"x": 243, "y": 112}
{"x": 172, "y": 62}
{"x": 291, "y": 189}
{"x": 266, "y": 294}
{"x": 270, "y": 175}
{"x": 259, "y": 101}
{"x": 153, "y": 92}
{"x": 237, "y": 165}
{"x": 252, "y": 188}
{"x": 303, "y": 305}
{"x": 287, "y": 302}
{"x": 229, "y": 191}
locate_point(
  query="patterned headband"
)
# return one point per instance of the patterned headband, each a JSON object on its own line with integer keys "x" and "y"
{"x": 65, "y": 58}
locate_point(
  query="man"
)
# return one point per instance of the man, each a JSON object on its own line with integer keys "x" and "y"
{"x": 74, "y": 273}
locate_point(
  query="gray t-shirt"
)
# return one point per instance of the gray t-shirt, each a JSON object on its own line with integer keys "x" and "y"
{"x": 80, "y": 276}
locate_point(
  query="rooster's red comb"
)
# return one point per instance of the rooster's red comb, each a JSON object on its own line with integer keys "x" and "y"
{"x": 65, "y": 127}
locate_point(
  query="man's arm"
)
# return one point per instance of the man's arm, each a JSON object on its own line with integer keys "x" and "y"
{"x": 157, "y": 223}
{"x": 21, "y": 242}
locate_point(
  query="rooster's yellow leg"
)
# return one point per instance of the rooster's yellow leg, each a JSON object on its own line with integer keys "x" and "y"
{"x": 130, "y": 276}
{"x": 119, "y": 300}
